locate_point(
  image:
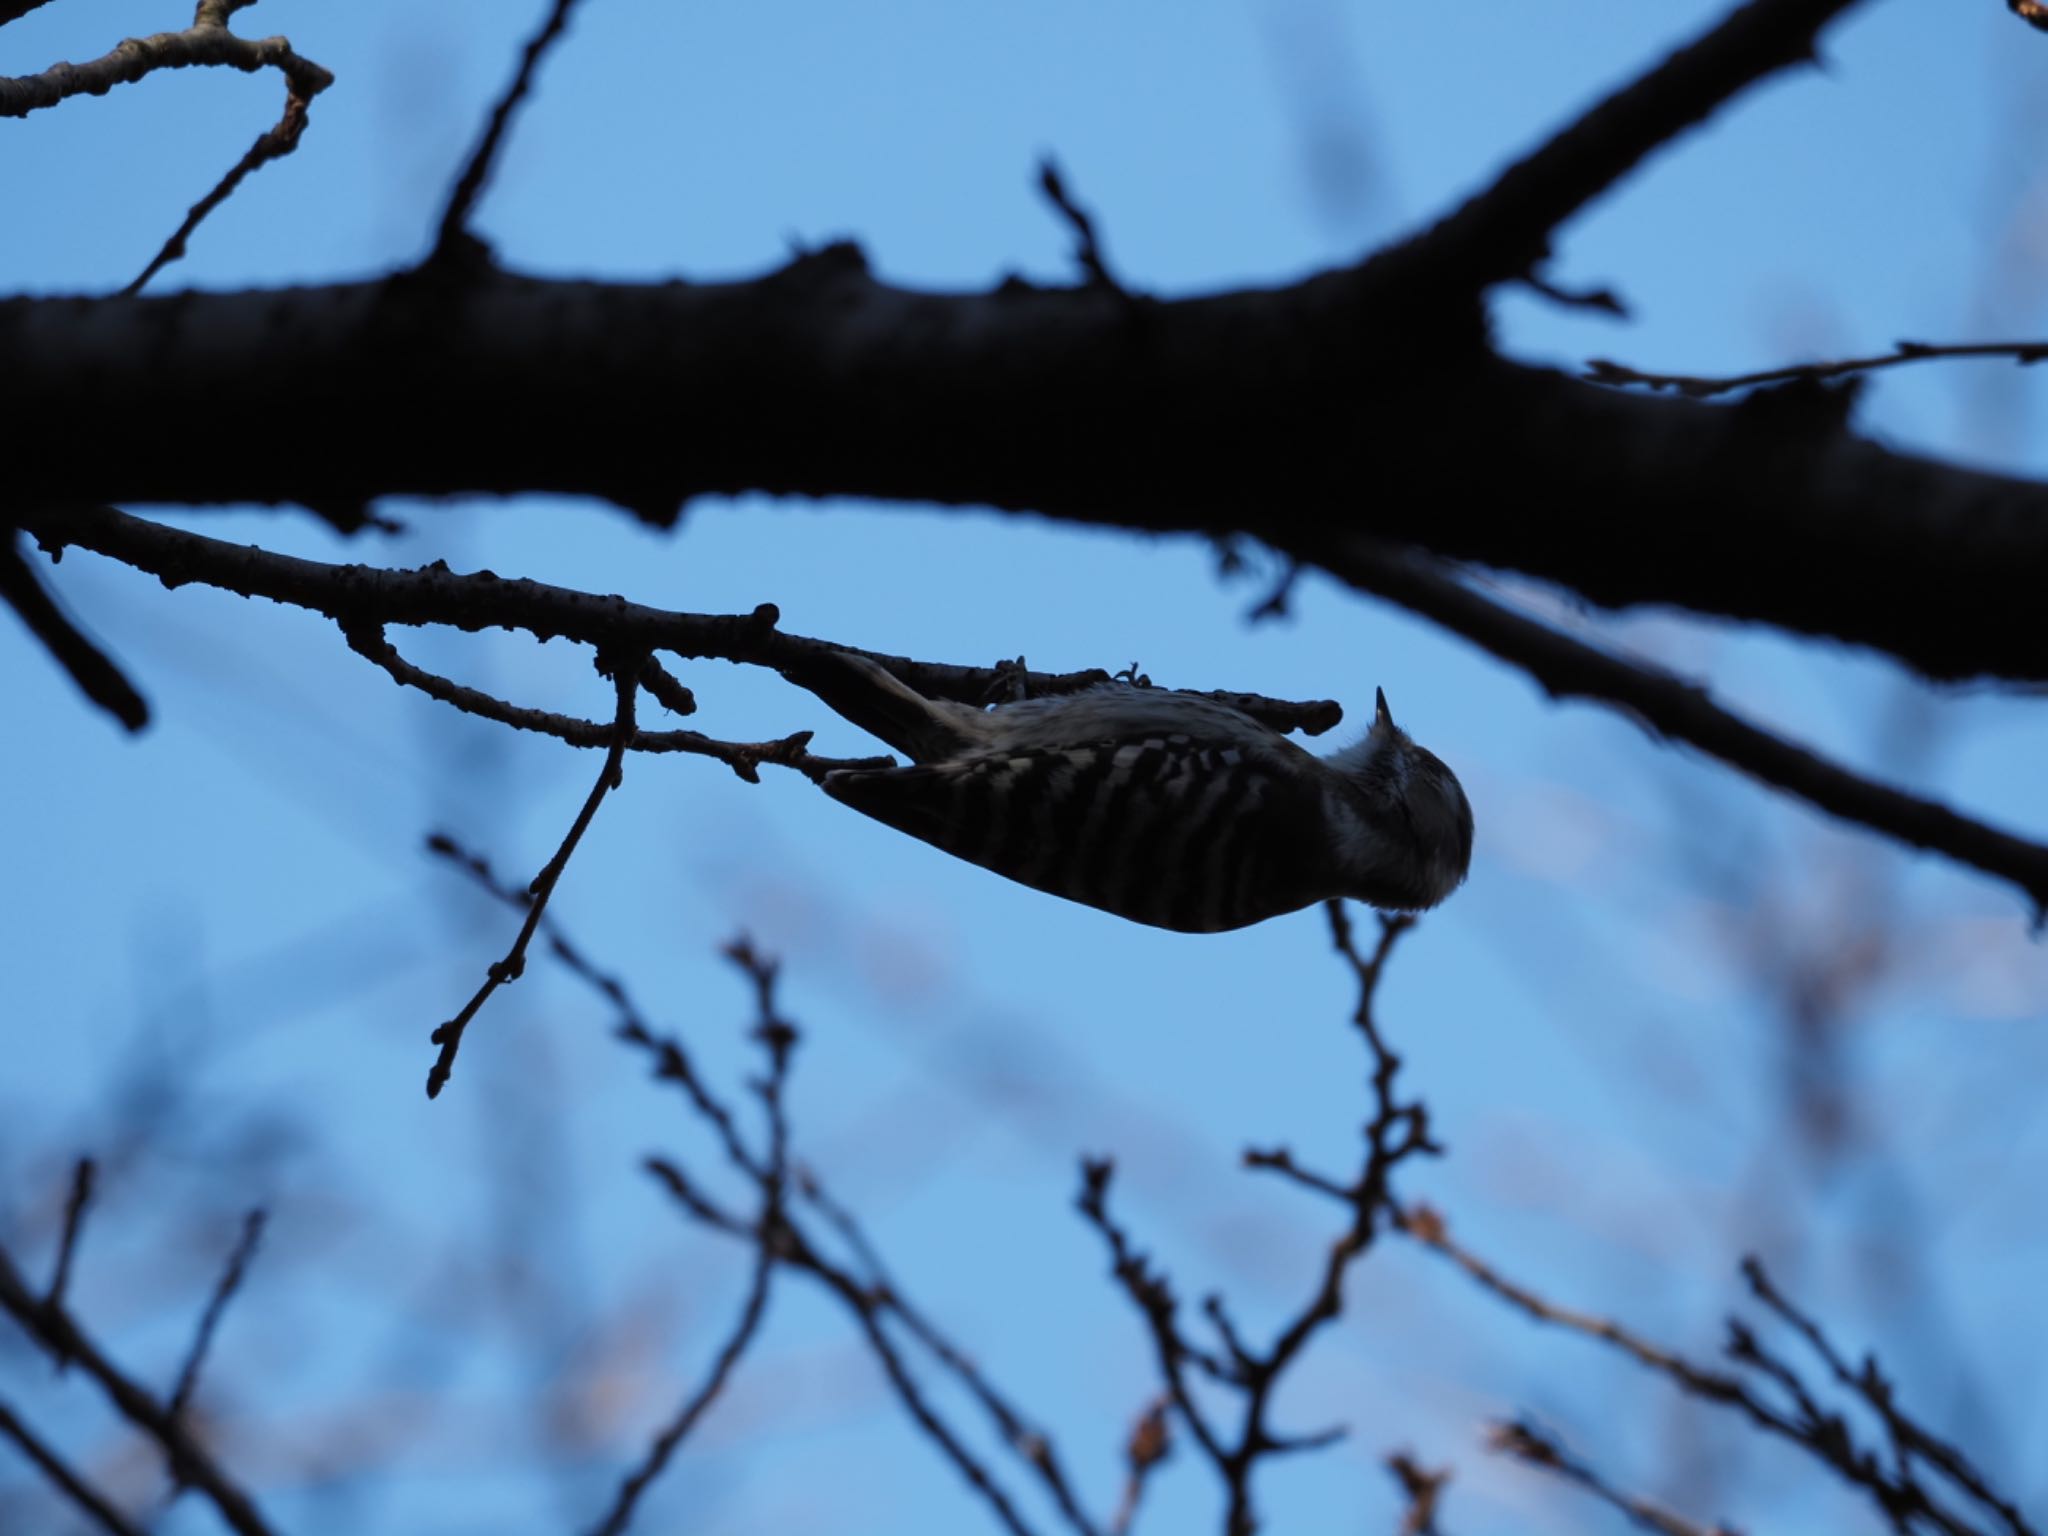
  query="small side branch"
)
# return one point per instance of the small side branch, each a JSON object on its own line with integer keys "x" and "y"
{"x": 191, "y": 1464}
{"x": 625, "y": 676}
{"x": 1701, "y": 386}
{"x": 97, "y": 677}
{"x": 89, "y": 1499}
{"x": 216, "y": 1305}
{"x": 470, "y": 184}
{"x": 1532, "y": 1447}
{"x": 697, "y": 1404}
{"x": 1087, "y": 244}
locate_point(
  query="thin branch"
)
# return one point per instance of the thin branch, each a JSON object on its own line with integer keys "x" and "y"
{"x": 206, "y": 42}
{"x": 672, "y": 1061}
{"x": 356, "y": 595}
{"x": 70, "y": 1483}
{"x": 223, "y": 1292}
{"x": 1151, "y": 1442}
{"x": 274, "y": 143}
{"x": 625, "y": 675}
{"x": 745, "y": 758}
{"x": 1087, "y": 245}
{"x": 1504, "y": 232}
{"x": 75, "y": 1205}
{"x": 190, "y": 1463}
{"x": 1700, "y": 386}
{"x": 1032, "y": 1444}
{"x": 1683, "y": 711}
{"x": 1532, "y": 1447}
{"x": 469, "y": 186}
{"x": 97, "y": 677}
{"x": 1898, "y": 1494}
{"x": 1908, "y": 1438}
{"x": 1423, "y": 1488}
{"x": 694, "y": 1407}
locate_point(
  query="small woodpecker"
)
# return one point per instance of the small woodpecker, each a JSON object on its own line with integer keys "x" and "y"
{"x": 1165, "y": 808}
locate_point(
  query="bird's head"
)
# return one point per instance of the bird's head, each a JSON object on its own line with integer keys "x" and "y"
{"x": 1415, "y": 797}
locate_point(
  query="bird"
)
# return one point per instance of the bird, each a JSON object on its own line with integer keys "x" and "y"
{"x": 1169, "y": 809}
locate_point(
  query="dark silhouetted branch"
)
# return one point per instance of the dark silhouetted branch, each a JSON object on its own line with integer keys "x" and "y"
{"x": 68, "y": 1482}
{"x": 745, "y": 758}
{"x": 190, "y": 1463}
{"x": 216, "y": 1305}
{"x": 362, "y": 597}
{"x": 1398, "y": 1130}
{"x": 1701, "y": 386}
{"x": 1505, "y": 231}
{"x": 1087, "y": 245}
{"x": 625, "y": 674}
{"x": 1423, "y": 1488}
{"x": 1893, "y": 1484}
{"x": 75, "y": 1206}
{"x": 274, "y": 143}
{"x": 1532, "y": 1447}
{"x": 88, "y": 666}
{"x": 470, "y": 184}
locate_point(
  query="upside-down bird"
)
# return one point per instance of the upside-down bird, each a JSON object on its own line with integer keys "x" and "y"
{"x": 1166, "y": 808}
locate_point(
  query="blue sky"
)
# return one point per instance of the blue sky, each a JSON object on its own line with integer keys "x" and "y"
{"x": 240, "y": 894}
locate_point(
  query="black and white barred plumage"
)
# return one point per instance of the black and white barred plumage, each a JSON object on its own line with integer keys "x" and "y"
{"x": 1165, "y": 808}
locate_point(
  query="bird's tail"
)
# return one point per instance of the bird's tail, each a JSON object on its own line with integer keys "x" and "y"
{"x": 873, "y": 698}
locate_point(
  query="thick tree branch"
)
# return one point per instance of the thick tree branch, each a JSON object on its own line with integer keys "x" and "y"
{"x": 1336, "y": 404}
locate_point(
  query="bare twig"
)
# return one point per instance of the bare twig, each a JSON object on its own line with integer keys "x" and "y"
{"x": 1531, "y": 1446}
{"x": 625, "y": 673}
{"x": 73, "y": 1486}
{"x": 694, "y": 1407}
{"x": 1151, "y": 1443}
{"x": 1683, "y": 711}
{"x": 1032, "y": 1444}
{"x": 1423, "y": 1488}
{"x": 1909, "y": 1439}
{"x": 1699, "y": 386}
{"x": 190, "y": 1463}
{"x": 206, "y": 42}
{"x": 14, "y": 10}
{"x": 355, "y": 595}
{"x": 88, "y": 666}
{"x": 745, "y": 758}
{"x": 274, "y": 143}
{"x": 469, "y": 186}
{"x": 1900, "y": 1496}
{"x": 223, "y": 1292}
{"x": 1087, "y": 245}
{"x": 1397, "y": 1131}
{"x": 75, "y": 1205}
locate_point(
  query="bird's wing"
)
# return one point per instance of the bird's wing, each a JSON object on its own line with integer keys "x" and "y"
{"x": 1167, "y": 830}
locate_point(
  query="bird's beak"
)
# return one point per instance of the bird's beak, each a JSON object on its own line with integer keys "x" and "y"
{"x": 1381, "y": 716}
